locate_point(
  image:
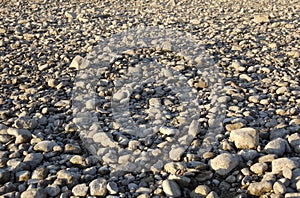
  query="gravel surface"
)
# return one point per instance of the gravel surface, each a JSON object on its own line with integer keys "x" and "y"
{"x": 254, "y": 46}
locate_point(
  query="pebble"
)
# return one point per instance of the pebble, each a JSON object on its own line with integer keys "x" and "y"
{"x": 171, "y": 188}
{"x": 244, "y": 138}
{"x": 261, "y": 18}
{"x": 22, "y": 135}
{"x": 281, "y": 163}
{"x": 33, "y": 160}
{"x": 224, "y": 163}
{"x": 259, "y": 168}
{"x": 294, "y": 140}
{"x": 276, "y": 146}
{"x": 200, "y": 191}
{"x": 80, "y": 190}
{"x": 33, "y": 192}
{"x": 98, "y": 187}
{"x": 279, "y": 188}
{"x": 45, "y": 146}
{"x": 112, "y": 187}
{"x": 259, "y": 188}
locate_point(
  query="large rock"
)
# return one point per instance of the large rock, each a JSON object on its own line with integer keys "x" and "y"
{"x": 224, "y": 163}
{"x": 244, "y": 138}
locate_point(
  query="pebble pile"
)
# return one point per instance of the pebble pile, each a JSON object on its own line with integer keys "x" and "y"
{"x": 253, "y": 44}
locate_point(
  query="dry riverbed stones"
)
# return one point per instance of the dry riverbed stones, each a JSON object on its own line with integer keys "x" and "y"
{"x": 255, "y": 150}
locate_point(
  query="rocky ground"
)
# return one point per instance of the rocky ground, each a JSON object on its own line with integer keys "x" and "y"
{"x": 253, "y": 44}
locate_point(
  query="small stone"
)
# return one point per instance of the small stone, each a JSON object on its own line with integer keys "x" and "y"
{"x": 53, "y": 190}
{"x": 45, "y": 146}
{"x": 248, "y": 154}
{"x": 112, "y": 188}
{"x": 80, "y": 190}
{"x": 77, "y": 159}
{"x": 294, "y": 141}
{"x": 261, "y": 18}
{"x": 276, "y": 146}
{"x": 98, "y": 187}
{"x": 22, "y": 135}
{"x": 259, "y": 168}
{"x": 33, "y": 192}
{"x": 22, "y": 176}
{"x": 4, "y": 176}
{"x": 175, "y": 167}
{"x": 39, "y": 173}
{"x": 200, "y": 191}
{"x": 224, "y": 163}
{"x": 171, "y": 188}
{"x": 244, "y": 138}
{"x": 267, "y": 158}
{"x": 33, "y": 160}
{"x": 279, "y": 188}
{"x": 292, "y": 195}
{"x": 77, "y": 62}
{"x": 51, "y": 82}
{"x": 281, "y": 90}
{"x": 212, "y": 194}
{"x": 176, "y": 153}
{"x": 168, "y": 131}
{"x": 70, "y": 15}
{"x": 281, "y": 163}
{"x": 287, "y": 173}
{"x": 259, "y": 188}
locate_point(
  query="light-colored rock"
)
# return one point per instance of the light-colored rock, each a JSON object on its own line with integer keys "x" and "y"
{"x": 45, "y": 146}
{"x": 224, "y": 163}
{"x": 261, "y": 18}
{"x": 80, "y": 190}
{"x": 259, "y": 168}
{"x": 259, "y": 188}
{"x": 244, "y": 138}
{"x": 171, "y": 188}
{"x": 279, "y": 188}
{"x": 281, "y": 163}
{"x": 200, "y": 191}
{"x": 98, "y": 187}
{"x": 34, "y": 193}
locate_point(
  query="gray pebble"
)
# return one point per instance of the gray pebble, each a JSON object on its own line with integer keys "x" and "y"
{"x": 224, "y": 163}
{"x": 171, "y": 188}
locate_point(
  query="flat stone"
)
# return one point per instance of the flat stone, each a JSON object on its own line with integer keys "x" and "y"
{"x": 45, "y": 146}
{"x": 261, "y": 18}
{"x": 175, "y": 167}
{"x": 224, "y": 163}
{"x": 171, "y": 188}
{"x": 244, "y": 138}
